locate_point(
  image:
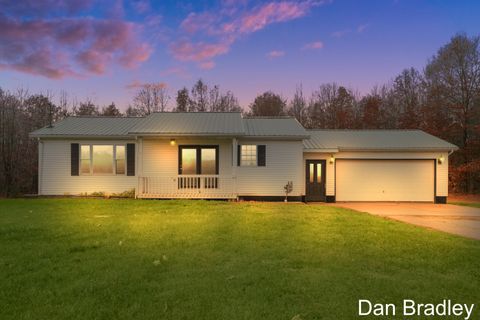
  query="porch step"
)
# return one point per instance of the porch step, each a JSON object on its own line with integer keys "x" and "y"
{"x": 187, "y": 196}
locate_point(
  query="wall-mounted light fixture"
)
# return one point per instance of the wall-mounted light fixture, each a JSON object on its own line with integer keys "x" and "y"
{"x": 172, "y": 142}
{"x": 441, "y": 159}
{"x": 332, "y": 159}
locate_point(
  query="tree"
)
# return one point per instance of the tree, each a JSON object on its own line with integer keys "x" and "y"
{"x": 268, "y": 104}
{"x": 151, "y": 97}
{"x": 182, "y": 100}
{"x": 332, "y": 107}
{"x": 409, "y": 96}
{"x": 199, "y": 97}
{"x": 133, "y": 112}
{"x": 86, "y": 108}
{"x": 372, "y": 117}
{"x": 453, "y": 77}
{"x": 111, "y": 111}
{"x": 298, "y": 106}
{"x": 228, "y": 103}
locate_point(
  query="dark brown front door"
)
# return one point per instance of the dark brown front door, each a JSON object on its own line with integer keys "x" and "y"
{"x": 315, "y": 180}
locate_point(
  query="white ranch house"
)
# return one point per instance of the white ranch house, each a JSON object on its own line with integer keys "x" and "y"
{"x": 227, "y": 156}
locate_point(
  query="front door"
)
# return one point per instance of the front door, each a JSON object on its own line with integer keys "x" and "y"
{"x": 315, "y": 180}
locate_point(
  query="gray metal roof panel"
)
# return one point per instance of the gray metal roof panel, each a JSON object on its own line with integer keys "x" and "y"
{"x": 274, "y": 127}
{"x": 375, "y": 140}
{"x": 191, "y": 123}
{"x": 89, "y": 126}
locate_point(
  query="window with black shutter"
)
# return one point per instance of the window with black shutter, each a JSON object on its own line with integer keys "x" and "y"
{"x": 261, "y": 156}
{"x": 75, "y": 159}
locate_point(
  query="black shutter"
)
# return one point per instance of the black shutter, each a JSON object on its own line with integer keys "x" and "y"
{"x": 130, "y": 159}
{"x": 75, "y": 159}
{"x": 261, "y": 155}
{"x": 239, "y": 148}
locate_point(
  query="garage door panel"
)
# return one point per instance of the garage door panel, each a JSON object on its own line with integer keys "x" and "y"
{"x": 385, "y": 180}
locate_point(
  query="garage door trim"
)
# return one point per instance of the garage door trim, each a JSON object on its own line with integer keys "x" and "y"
{"x": 391, "y": 159}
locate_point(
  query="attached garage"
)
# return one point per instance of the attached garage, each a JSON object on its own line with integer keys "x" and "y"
{"x": 377, "y": 165}
{"x": 385, "y": 180}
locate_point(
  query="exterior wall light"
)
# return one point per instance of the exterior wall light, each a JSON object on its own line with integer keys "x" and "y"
{"x": 441, "y": 160}
{"x": 172, "y": 142}
{"x": 332, "y": 159}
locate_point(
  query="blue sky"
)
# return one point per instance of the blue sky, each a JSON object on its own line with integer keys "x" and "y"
{"x": 106, "y": 50}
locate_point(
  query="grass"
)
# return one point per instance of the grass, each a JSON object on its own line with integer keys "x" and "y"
{"x": 466, "y": 204}
{"x": 127, "y": 259}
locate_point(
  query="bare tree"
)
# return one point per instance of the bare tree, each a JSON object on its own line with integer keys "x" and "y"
{"x": 151, "y": 97}
{"x": 199, "y": 97}
{"x": 298, "y": 106}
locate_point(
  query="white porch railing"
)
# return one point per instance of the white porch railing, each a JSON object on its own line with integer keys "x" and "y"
{"x": 187, "y": 187}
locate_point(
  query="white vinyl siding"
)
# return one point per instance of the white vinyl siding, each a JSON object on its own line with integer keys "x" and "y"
{"x": 283, "y": 164}
{"x": 56, "y": 175}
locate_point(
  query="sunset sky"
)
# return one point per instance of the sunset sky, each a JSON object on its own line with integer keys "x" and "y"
{"x": 106, "y": 49}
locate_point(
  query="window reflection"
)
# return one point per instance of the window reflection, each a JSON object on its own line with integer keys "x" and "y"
{"x": 120, "y": 159}
{"x": 319, "y": 172}
{"x": 311, "y": 172}
{"x": 102, "y": 158}
{"x": 189, "y": 161}
{"x": 85, "y": 159}
{"x": 209, "y": 161}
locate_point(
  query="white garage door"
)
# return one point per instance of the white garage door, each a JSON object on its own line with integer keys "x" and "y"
{"x": 385, "y": 180}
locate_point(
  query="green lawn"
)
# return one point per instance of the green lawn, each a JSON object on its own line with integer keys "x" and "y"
{"x": 127, "y": 259}
{"x": 467, "y": 204}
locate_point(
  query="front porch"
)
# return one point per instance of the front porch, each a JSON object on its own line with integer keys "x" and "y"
{"x": 187, "y": 187}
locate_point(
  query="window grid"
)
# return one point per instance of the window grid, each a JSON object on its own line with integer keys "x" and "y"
{"x": 248, "y": 155}
{"x": 118, "y": 159}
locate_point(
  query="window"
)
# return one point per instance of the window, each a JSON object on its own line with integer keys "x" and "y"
{"x": 198, "y": 160}
{"x": 85, "y": 159}
{"x": 189, "y": 161}
{"x": 311, "y": 174}
{"x": 319, "y": 172}
{"x": 99, "y": 159}
{"x": 209, "y": 161}
{"x": 248, "y": 155}
{"x": 102, "y": 159}
{"x": 120, "y": 159}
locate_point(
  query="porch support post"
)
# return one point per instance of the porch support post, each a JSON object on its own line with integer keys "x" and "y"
{"x": 139, "y": 164}
{"x": 234, "y": 164}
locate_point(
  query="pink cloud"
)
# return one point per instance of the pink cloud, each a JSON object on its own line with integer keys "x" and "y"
{"x": 197, "y": 52}
{"x": 86, "y": 45}
{"x": 180, "y": 72}
{"x": 313, "y": 45}
{"x": 275, "y": 54}
{"x": 207, "y": 65}
{"x": 229, "y": 23}
{"x": 272, "y": 12}
{"x": 196, "y": 22}
{"x": 135, "y": 84}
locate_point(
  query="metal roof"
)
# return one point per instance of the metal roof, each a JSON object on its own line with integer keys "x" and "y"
{"x": 88, "y": 126}
{"x": 191, "y": 123}
{"x": 274, "y": 127}
{"x": 371, "y": 140}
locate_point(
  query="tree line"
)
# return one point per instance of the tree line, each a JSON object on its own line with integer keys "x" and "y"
{"x": 442, "y": 99}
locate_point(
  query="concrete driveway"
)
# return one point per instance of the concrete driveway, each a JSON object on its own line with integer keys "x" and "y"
{"x": 463, "y": 221}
